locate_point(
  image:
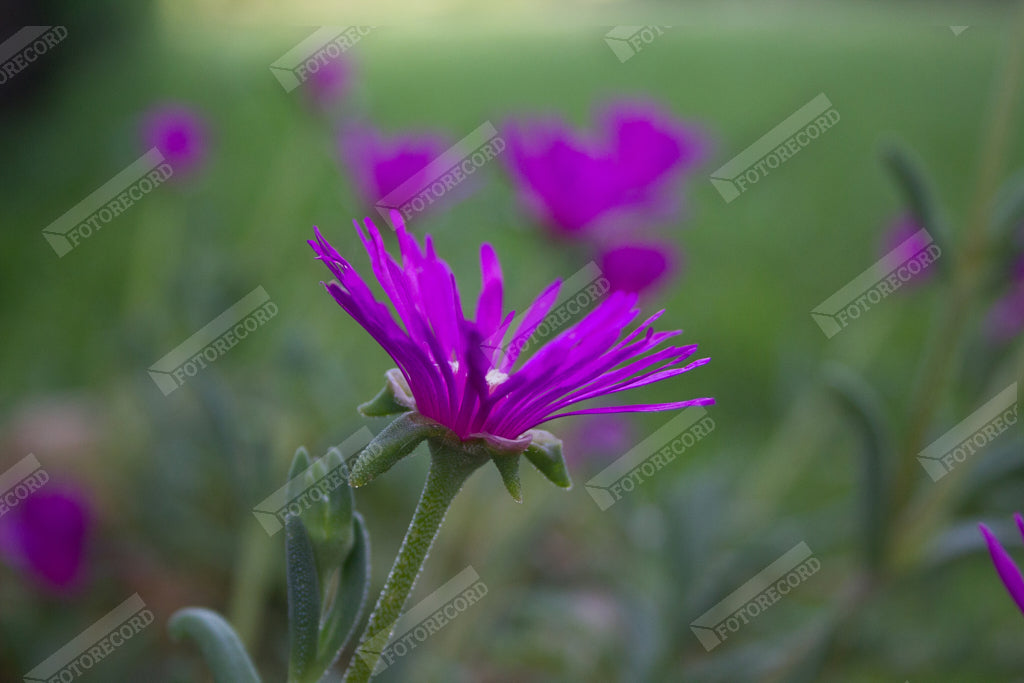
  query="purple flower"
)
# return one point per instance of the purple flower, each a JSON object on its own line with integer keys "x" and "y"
{"x": 573, "y": 183}
{"x": 639, "y": 268}
{"x": 180, "y": 133}
{"x": 46, "y": 535}
{"x": 329, "y": 83}
{"x": 378, "y": 165}
{"x": 1008, "y": 571}
{"x": 457, "y": 372}
{"x": 904, "y": 240}
{"x": 567, "y": 186}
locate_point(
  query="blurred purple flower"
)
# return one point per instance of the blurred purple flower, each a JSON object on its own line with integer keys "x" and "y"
{"x": 902, "y": 240}
{"x": 378, "y": 164}
{"x": 638, "y": 268}
{"x": 460, "y": 377}
{"x": 46, "y": 536}
{"x": 180, "y": 133}
{"x": 599, "y": 438}
{"x": 1005, "y": 566}
{"x": 329, "y": 83}
{"x": 574, "y": 184}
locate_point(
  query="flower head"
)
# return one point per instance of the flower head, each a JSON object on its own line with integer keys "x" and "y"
{"x": 180, "y": 133}
{"x": 575, "y": 183}
{"x": 1008, "y": 571}
{"x": 458, "y": 371}
{"x": 46, "y": 536}
{"x": 379, "y": 164}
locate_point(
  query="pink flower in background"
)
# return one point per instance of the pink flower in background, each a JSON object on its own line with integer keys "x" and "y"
{"x": 330, "y": 83}
{"x": 180, "y": 133}
{"x": 379, "y": 164}
{"x": 651, "y": 147}
{"x": 1006, "y": 319}
{"x": 561, "y": 180}
{"x": 573, "y": 183}
{"x": 1008, "y": 571}
{"x": 46, "y": 536}
{"x": 904, "y": 240}
{"x": 638, "y": 268}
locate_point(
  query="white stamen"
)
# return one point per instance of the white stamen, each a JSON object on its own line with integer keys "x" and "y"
{"x": 495, "y": 377}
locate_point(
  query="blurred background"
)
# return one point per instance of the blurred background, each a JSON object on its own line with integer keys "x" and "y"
{"x": 152, "y": 493}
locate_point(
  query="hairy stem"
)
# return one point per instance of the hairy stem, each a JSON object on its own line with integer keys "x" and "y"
{"x": 449, "y": 469}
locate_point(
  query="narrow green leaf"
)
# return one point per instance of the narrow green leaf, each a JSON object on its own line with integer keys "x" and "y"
{"x": 545, "y": 453}
{"x": 353, "y": 589}
{"x": 864, "y": 408}
{"x": 508, "y": 466}
{"x": 218, "y": 643}
{"x": 1008, "y": 209}
{"x": 303, "y": 601}
{"x": 394, "y": 442}
{"x": 919, "y": 194}
{"x": 300, "y": 463}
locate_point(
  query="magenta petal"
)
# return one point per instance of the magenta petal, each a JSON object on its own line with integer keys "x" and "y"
{"x": 1005, "y": 566}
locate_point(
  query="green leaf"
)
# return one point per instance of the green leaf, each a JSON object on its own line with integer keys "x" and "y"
{"x": 864, "y": 408}
{"x": 218, "y": 643}
{"x": 394, "y": 398}
{"x": 918, "y": 193}
{"x": 353, "y": 589}
{"x": 508, "y": 467}
{"x": 545, "y": 453}
{"x": 303, "y": 601}
{"x": 394, "y": 442}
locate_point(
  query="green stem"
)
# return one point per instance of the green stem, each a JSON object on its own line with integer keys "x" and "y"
{"x": 449, "y": 469}
{"x": 913, "y": 516}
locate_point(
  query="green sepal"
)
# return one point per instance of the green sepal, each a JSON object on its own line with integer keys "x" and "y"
{"x": 508, "y": 467}
{"x": 342, "y": 617}
{"x": 219, "y": 644}
{"x": 394, "y": 442}
{"x": 394, "y": 398}
{"x": 303, "y": 602}
{"x": 545, "y": 453}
